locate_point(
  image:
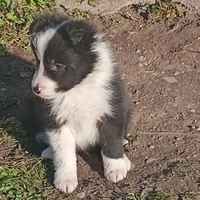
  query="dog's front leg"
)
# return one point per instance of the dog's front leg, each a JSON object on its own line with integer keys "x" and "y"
{"x": 62, "y": 143}
{"x": 115, "y": 162}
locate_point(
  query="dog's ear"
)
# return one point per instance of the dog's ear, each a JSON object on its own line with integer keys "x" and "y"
{"x": 40, "y": 23}
{"x": 79, "y": 31}
{"x": 76, "y": 35}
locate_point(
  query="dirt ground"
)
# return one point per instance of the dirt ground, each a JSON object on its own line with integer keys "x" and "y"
{"x": 160, "y": 64}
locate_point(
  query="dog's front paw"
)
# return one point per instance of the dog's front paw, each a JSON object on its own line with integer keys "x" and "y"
{"x": 65, "y": 183}
{"x": 116, "y": 169}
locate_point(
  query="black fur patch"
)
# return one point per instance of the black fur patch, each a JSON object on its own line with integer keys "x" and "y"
{"x": 113, "y": 129}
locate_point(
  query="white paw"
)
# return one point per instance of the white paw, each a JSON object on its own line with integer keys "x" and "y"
{"x": 47, "y": 153}
{"x": 116, "y": 169}
{"x": 65, "y": 183}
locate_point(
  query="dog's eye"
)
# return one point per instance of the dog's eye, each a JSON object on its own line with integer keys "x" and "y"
{"x": 59, "y": 66}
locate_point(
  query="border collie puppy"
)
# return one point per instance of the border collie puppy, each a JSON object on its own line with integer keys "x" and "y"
{"x": 80, "y": 99}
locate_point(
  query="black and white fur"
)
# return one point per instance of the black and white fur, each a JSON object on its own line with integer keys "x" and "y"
{"x": 80, "y": 98}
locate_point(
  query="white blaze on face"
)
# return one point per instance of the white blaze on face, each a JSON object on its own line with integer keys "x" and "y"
{"x": 45, "y": 84}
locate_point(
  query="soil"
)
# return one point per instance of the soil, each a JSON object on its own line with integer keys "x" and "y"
{"x": 160, "y": 64}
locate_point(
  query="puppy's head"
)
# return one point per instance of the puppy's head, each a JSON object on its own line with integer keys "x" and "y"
{"x": 63, "y": 50}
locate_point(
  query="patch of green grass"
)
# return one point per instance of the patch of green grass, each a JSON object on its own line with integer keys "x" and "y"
{"x": 21, "y": 176}
{"x": 76, "y": 13}
{"x": 165, "y": 10}
{"x": 4, "y": 136}
{"x": 16, "y": 17}
{"x": 160, "y": 195}
{"x": 22, "y": 180}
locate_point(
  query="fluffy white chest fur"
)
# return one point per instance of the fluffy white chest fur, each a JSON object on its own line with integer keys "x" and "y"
{"x": 81, "y": 107}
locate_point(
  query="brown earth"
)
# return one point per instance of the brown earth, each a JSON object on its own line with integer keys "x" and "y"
{"x": 160, "y": 64}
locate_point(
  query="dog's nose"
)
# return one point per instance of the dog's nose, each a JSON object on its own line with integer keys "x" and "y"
{"x": 37, "y": 89}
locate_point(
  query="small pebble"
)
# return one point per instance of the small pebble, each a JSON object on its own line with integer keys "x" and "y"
{"x": 140, "y": 65}
{"x": 193, "y": 111}
{"x": 151, "y": 147}
{"x": 170, "y": 79}
{"x": 194, "y": 155}
{"x": 149, "y": 160}
{"x": 138, "y": 51}
{"x": 141, "y": 58}
{"x": 81, "y": 195}
{"x": 149, "y": 190}
{"x": 176, "y": 73}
